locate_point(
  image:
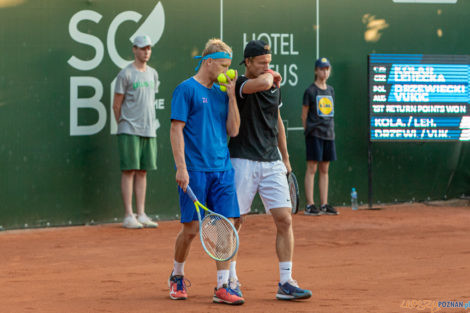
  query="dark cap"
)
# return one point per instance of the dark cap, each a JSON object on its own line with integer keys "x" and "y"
{"x": 322, "y": 62}
{"x": 255, "y": 48}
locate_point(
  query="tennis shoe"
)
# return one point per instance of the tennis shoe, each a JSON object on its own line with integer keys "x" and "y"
{"x": 131, "y": 222}
{"x": 235, "y": 285}
{"x": 146, "y": 221}
{"x": 328, "y": 210}
{"x": 291, "y": 291}
{"x": 178, "y": 288}
{"x": 312, "y": 210}
{"x": 227, "y": 296}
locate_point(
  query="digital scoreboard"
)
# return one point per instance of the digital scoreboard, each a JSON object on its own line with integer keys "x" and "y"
{"x": 415, "y": 97}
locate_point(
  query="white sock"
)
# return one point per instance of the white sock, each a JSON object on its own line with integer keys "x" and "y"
{"x": 285, "y": 271}
{"x": 233, "y": 270}
{"x": 178, "y": 268}
{"x": 222, "y": 278}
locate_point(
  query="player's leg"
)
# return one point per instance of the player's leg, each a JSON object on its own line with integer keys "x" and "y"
{"x": 246, "y": 178}
{"x": 288, "y": 288}
{"x": 329, "y": 154}
{"x": 222, "y": 198}
{"x": 284, "y": 242}
{"x": 234, "y": 282}
{"x": 274, "y": 192}
{"x": 177, "y": 282}
{"x": 189, "y": 230}
{"x": 224, "y": 293}
{"x": 129, "y": 152}
{"x": 183, "y": 244}
{"x": 284, "y": 235}
{"x": 148, "y": 162}
{"x": 233, "y": 278}
{"x": 309, "y": 182}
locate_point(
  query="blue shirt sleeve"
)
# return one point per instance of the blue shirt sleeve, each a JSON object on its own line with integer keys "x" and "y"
{"x": 180, "y": 104}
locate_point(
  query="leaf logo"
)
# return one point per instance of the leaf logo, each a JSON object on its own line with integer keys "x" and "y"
{"x": 153, "y": 26}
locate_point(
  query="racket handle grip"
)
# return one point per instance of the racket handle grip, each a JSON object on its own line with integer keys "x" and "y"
{"x": 191, "y": 194}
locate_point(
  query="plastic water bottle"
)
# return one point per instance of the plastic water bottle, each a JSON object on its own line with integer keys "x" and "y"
{"x": 354, "y": 199}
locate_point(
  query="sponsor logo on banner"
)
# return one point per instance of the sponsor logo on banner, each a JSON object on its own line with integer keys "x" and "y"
{"x": 153, "y": 26}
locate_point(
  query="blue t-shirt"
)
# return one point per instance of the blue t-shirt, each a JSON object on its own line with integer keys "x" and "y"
{"x": 205, "y": 113}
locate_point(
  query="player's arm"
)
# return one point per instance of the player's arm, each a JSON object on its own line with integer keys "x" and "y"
{"x": 177, "y": 146}
{"x": 304, "y": 115}
{"x": 263, "y": 82}
{"x": 117, "y": 103}
{"x": 233, "y": 118}
{"x": 282, "y": 143}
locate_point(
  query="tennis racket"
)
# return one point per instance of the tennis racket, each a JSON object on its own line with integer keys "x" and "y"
{"x": 294, "y": 191}
{"x": 219, "y": 237}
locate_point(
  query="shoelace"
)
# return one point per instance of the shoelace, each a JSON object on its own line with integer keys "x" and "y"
{"x": 182, "y": 284}
{"x": 229, "y": 290}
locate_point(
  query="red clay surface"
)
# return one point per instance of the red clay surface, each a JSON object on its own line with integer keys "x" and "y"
{"x": 364, "y": 261}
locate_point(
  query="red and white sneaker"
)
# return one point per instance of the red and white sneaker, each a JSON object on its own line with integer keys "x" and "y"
{"x": 177, "y": 285}
{"x": 227, "y": 296}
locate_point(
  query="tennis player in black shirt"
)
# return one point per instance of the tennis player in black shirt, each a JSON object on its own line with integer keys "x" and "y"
{"x": 256, "y": 157}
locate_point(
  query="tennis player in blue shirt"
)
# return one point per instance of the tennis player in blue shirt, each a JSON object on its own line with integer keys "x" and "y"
{"x": 201, "y": 118}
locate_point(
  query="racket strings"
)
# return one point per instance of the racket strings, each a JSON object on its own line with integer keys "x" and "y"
{"x": 293, "y": 192}
{"x": 218, "y": 236}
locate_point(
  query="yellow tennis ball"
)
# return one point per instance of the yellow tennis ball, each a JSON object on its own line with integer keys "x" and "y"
{"x": 231, "y": 73}
{"x": 222, "y": 78}
{"x": 223, "y": 88}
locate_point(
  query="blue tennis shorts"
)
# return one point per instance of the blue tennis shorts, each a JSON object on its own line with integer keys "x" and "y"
{"x": 320, "y": 150}
{"x": 216, "y": 190}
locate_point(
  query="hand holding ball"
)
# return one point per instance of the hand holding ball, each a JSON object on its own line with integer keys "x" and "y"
{"x": 222, "y": 78}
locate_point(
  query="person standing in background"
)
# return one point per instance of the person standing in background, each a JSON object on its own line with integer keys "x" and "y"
{"x": 134, "y": 111}
{"x": 318, "y": 122}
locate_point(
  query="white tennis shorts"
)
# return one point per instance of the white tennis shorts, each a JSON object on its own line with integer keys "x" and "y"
{"x": 267, "y": 178}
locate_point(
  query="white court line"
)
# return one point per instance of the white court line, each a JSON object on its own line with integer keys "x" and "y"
{"x": 318, "y": 29}
{"x": 221, "y": 19}
{"x": 295, "y": 128}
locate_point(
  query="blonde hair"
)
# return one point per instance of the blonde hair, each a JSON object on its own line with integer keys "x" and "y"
{"x": 216, "y": 45}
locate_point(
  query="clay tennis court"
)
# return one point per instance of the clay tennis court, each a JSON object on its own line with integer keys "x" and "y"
{"x": 363, "y": 261}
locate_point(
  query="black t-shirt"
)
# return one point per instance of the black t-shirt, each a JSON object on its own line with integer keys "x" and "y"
{"x": 321, "y": 103}
{"x": 257, "y": 137}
